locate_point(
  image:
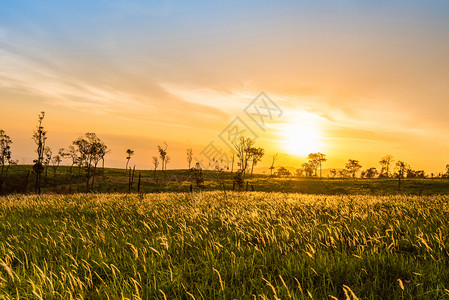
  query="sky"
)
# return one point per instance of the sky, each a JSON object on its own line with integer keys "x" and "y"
{"x": 351, "y": 79}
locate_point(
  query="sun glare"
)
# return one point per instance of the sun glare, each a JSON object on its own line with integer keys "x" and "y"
{"x": 302, "y": 137}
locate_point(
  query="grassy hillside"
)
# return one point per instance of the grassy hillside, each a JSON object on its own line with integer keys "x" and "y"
{"x": 210, "y": 245}
{"x": 69, "y": 180}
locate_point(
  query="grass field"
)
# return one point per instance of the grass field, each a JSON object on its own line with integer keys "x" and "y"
{"x": 212, "y": 245}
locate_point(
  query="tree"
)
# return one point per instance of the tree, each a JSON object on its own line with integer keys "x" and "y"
{"x": 272, "y": 163}
{"x": 189, "y": 156}
{"x": 55, "y": 161}
{"x": 5, "y": 156}
{"x": 167, "y": 160}
{"x": 401, "y": 169}
{"x": 369, "y": 173}
{"x": 72, "y": 154}
{"x": 415, "y": 173}
{"x": 283, "y": 172}
{"x": 91, "y": 149}
{"x": 447, "y": 171}
{"x": 39, "y": 137}
{"x": 130, "y": 153}
{"x": 352, "y": 166}
{"x": 156, "y": 164}
{"x": 307, "y": 169}
{"x": 256, "y": 156}
{"x": 385, "y": 162}
{"x": 316, "y": 160}
{"x": 343, "y": 173}
{"x": 197, "y": 174}
{"x": 313, "y": 162}
{"x": 103, "y": 151}
{"x": 47, "y": 159}
{"x": 333, "y": 172}
{"x": 242, "y": 147}
{"x": 163, "y": 154}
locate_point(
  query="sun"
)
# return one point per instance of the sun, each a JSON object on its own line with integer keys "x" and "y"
{"x": 302, "y": 137}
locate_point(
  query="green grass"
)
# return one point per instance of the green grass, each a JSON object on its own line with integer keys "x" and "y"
{"x": 116, "y": 181}
{"x": 212, "y": 245}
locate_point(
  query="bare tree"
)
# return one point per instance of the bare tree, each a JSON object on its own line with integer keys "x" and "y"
{"x": 333, "y": 172}
{"x": 162, "y": 154}
{"x": 189, "y": 156}
{"x": 167, "y": 160}
{"x": 386, "y": 162}
{"x": 352, "y": 166}
{"x": 130, "y": 153}
{"x": 39, "y": 137}
{"x": 156, "y": 164}
{"x": 272, "y": 163}
{"x": 242, "y": 147}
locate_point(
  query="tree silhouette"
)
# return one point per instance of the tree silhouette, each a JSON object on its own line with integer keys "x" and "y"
{"x": 242, "y": 147}
{"x": 352, "y": 166}
{"x": 130, "y": 153}
{"x": 369, "y": 173}
{"x": 47, "y": 159}
{"x": 256, "y": 155}
{"x": 55, "y": 161}
{"x": 91, "y": 150}
{"x": 72, "y": 154}
{"x": 273, "y": 159}
{"x": 197, "y": 174}
{"x": 386, "y": 162}
{"x": 39, "y": 137}
{"x": 156, "y": 164}
{"x": 307, "y": 169}
{"x": 333, "y": 172}
{"x": 162, "y": 154}
{"x": 316, "y": 160}
{"x": 189, "y": 156}
{"x": 283, "y": 172}
{"x": 401, "y": 169}
{"x": 167, "y": 160}
{"x": 5, "y": 156}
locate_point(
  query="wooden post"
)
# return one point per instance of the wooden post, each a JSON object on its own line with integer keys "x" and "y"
{"x": 138, "y": 184}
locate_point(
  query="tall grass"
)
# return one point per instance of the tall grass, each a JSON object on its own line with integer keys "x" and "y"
{"x": 215, "y": 246}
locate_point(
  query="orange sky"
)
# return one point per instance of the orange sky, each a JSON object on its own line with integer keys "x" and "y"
{"x": 365, "y": 79}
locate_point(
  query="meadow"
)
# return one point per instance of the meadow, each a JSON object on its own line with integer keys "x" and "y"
{"x": 73, "y": 180}
{"x": 217, "y": 245}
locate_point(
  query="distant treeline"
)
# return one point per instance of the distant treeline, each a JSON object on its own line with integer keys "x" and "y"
{"x": 86, "y": 152}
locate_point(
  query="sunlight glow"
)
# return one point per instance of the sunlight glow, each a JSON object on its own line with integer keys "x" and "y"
{"x": 302, "y": 136}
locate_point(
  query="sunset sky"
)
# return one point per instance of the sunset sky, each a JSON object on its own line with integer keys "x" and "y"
{"x": 353, "y": 79}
